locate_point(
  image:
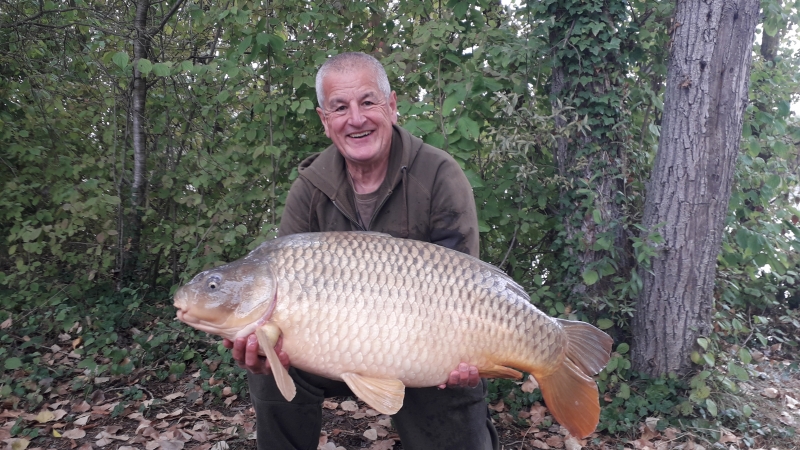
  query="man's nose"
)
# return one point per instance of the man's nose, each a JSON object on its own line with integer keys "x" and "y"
{"x": 354, "y": 115}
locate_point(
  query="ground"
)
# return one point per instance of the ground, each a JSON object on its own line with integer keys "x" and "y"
{"x": 179, "y": 414}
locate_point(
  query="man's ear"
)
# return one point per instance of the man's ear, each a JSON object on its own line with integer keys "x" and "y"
{"x": 393, "y": 106}
{"x": 324, "y": 121}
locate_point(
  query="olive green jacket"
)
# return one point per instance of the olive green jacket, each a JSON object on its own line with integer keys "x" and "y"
{"x": 425, "y": 196}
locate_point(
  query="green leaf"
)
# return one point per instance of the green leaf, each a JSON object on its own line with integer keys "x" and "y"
{"x": 121, "y": 59}
{"x": 744, "y": 355}
{"x": 624, "y": 391}
{"x": 623, "y": 348}
{"x": 711, "y": 406}
{"x": 223, "y": 95}
{"x": 474, "y": 179}
{"x": 604, "y": 323}
{"x": 590, "y": 277}
{"x": 703, "y": 342}
{"x": 596, "y": 215}
{"x": 13, "y": 363}
{"x": 161, "y": 69}
{"x": 144, "y": 65}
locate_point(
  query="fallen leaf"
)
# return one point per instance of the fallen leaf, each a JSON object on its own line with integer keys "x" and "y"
{"x": 786, "y": 419}
{"x": 371, "y": 434}
{"x": 98, "y": 397}
{"x": 555, "y": 441}
{"x": 329, "y": 404}
{"x": 540, "y": 444}
{"x": 529, "y": 385}
{"x": 791, "y": 403}
{"x": 230, "y": 400}
{"x": 387, "y": 444}
{"x": 349, "y": 405}
{"x": 19, "y": 444}
{"x": 75, "y": 433}
{"x": 45, "y": 416}
{"x": 6, "y": 323}
{"x": 177, "y": 412}
{"x": 770, "y": 392}
{"x": 173, "y": 396}
{"x": 498, "y": 407}
{"x": 372, "y": 413}
{"x": 572, "y": 443}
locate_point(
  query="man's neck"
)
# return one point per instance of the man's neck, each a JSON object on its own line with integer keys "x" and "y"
{"x": 367, "y": 178}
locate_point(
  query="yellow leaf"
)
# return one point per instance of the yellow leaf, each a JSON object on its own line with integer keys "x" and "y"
{"x": 45, "y": 416}
{"x": 20, "y": 444}
{"x": 56, "y": 433}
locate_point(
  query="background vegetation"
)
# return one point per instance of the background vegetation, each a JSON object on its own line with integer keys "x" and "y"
{"x": 141, "y": 142}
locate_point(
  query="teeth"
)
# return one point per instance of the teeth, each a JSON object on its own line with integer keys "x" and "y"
{"x": 358, "y": 135}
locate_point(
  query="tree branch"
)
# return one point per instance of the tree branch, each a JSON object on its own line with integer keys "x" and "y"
{"x": 165, "y": 19}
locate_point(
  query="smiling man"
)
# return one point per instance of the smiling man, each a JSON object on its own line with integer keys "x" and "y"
{"x": 375, "y": 177}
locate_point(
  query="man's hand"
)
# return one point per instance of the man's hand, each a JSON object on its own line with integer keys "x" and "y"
{"x": 464, "y": 376}
{"x": 245, "y": 353}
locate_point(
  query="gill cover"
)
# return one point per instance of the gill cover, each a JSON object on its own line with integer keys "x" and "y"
{"x": 232, "y": 295}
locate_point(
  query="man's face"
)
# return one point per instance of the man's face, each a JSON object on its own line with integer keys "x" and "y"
{"x": 357, "y": 117}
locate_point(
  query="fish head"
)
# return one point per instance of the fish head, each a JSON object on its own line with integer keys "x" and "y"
{"x": 229, "y": 301}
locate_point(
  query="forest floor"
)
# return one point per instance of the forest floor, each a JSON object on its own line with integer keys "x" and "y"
{"x": 179, "y": 414}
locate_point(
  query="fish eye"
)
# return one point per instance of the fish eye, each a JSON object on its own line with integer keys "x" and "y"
{"x": 213, "y": 282}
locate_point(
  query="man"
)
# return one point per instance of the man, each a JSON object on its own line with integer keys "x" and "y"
{"x": 375, "y": 177}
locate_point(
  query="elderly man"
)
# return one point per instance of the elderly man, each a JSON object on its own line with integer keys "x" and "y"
{"x": 375, "y": 177}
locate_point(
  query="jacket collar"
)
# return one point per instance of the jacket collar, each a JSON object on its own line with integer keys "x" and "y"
{"x": 327, "y": 172}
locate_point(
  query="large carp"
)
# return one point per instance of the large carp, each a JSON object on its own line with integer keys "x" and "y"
{"x": 382, "y": 313}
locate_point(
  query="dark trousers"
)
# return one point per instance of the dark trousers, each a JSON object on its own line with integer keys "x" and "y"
{"x": 430, "y": 419}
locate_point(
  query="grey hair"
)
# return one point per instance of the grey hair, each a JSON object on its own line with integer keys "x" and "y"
{"x": 349, "y": 62}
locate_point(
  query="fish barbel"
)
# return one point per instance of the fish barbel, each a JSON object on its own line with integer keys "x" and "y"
{"x": 382, "y": 313}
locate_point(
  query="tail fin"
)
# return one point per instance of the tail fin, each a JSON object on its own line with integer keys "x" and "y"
{"x": 570, "y": 392}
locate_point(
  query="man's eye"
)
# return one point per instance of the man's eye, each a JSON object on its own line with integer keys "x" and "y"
{"x": 368, "y": 103}
{"x": 340, "y": 109}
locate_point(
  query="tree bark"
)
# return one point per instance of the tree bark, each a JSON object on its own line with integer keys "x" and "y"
{"x": 690, "y": 186}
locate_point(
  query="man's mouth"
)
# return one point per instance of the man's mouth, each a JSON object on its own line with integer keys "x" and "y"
{"x": 360, "y": 135}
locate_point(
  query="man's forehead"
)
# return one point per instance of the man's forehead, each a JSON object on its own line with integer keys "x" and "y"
{"x": 346, "y": 97}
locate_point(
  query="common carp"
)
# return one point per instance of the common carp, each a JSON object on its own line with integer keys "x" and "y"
{"x": 382, "y": 313}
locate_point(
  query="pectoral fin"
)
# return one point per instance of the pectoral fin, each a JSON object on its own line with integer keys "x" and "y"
{"x": 267, "y": 337}
{"x": 385, "y": 395}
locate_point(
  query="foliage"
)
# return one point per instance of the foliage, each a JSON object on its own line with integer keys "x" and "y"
{"x": 230, "y": 114}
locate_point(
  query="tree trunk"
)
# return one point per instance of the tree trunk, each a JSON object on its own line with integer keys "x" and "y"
{"x": 141, "y": 49}
{"x": 689, "y": 189}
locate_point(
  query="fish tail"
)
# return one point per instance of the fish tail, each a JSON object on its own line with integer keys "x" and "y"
{"x": 569, "y": 392}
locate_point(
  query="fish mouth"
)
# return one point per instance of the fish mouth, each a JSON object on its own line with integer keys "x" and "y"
{"x": 231, "y": 332}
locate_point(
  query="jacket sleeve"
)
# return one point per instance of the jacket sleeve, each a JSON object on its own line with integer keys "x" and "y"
{"x": 454, "y": 220}
{"x": 296, "y": 217}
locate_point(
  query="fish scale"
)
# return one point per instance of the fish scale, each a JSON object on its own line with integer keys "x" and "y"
{"x": 383, "y": 313}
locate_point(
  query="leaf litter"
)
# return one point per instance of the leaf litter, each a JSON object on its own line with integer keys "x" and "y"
{"x": 181, "y": 415}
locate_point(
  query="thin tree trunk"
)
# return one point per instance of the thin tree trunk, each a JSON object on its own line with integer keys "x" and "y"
{"x": 689, "y": 189}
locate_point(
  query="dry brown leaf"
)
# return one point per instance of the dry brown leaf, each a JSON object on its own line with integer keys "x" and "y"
{"x": 371, "y": 434}
{"x": 75, "y": 433}
{"x": 572, "y": 443}
{"x": 173, "y": 396}
{"x": 786, "y": 419}
{"x": 540, "y": 444}
{"x": 349, "y": 405}
{"x": 372, "y": 413}
{"x": 498, "y": 407}
{"x": 6, "y": 323}
{"x": 770, "y": 392}
{"x": 387, "y": 444}
{"x": 170, "y": 444}
{"x": 530, "y": 385}
{"x": 386, "y": 422}
{"x": 327, "y": 404}
{"x": 228, "y": 401}
{"x": 358, "y": 415}
{"x": 83, "y": 419}
{"x": 537, "y": 414}
{"x": 98, "y": 397}
{"x": 555, "y": 441}
{"x": 177, "y": 412}
{"x": 791, "y": 403}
